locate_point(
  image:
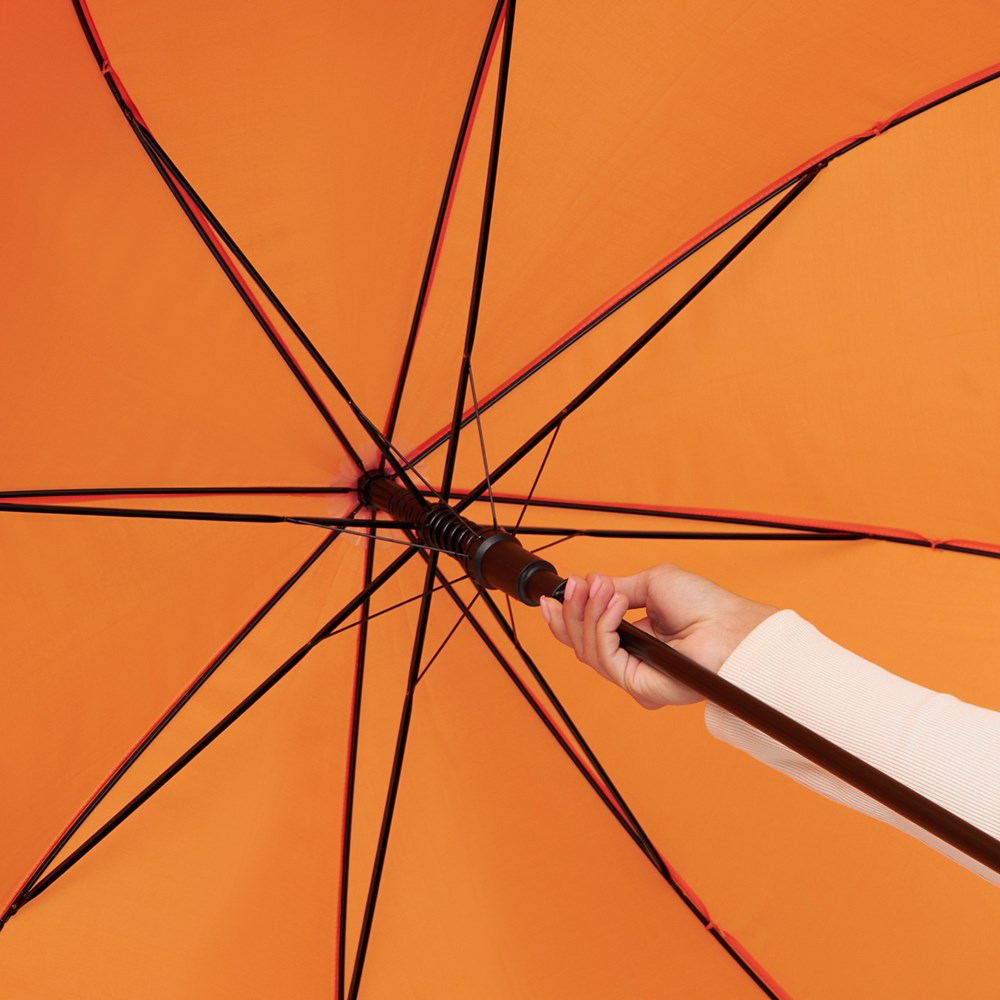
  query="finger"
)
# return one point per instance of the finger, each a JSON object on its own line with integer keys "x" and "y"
{"x": 611, "y": 658}
{"x": 599, "y": 594}
{"x": 635, "y": 588}
{"x": 573, "y": 607}
{"x": 552, "y": 612}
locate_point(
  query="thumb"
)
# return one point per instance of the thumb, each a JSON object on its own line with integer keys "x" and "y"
{"x": 634, "y": 588}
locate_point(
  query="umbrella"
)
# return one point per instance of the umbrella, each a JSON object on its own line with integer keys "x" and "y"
{"x": 706, "y": 284}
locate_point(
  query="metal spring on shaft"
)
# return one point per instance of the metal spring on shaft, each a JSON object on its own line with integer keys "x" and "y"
{"x": 401, "y": 506}
{"x": 438, "y": 526}
{"x": 444, "y": 529}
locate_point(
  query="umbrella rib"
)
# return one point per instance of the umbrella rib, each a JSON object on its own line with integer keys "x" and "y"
{"x": 845, "y": 531}
{"x": 608, "y": 794}
{"x": 352, "y": 763}
{"x": 447, "y": 638}
{"x": 120, "y": 771}
{"x": 148, "y": 144}
{"x": 629, "y": 353}
{"x": 621, "y": 808}
{"x": 170, "y": 491}
{"x": 539, "y": 711}
{"x": 198, "y": 515}
{"x": 727, "y": 536}
{"x": 482, "y": 445}
{"x": 328, "y": 629}
{"x": 402, "y": 736}
{"x": 400, "y": 467}
{"x": 444, "y": 209}
{"x": 538, "y": 475}
{"x": 481, "y": 250}
{"x": 395, "y": 607}
{"x": 161, "y": 156}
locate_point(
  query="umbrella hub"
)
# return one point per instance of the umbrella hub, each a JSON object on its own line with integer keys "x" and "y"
{"x": 494, "y": 558}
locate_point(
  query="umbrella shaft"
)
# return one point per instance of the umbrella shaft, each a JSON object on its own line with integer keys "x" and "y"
{"x": 900, "y": 798}
{"x": 497, "y": 560}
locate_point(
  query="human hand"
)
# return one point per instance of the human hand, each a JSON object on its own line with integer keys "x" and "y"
{"x": 689, "y": 613}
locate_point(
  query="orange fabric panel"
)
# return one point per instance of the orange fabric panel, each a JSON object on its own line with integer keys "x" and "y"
{"x": 841, "y": 370}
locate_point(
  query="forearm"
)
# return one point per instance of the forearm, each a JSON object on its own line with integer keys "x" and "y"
{"x": 943, "y": 748}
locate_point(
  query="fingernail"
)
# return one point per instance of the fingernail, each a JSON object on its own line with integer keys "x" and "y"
{"x": 595, "y": 583}
{"x": 545, "y": 610}
{"x": 570, "y": 587}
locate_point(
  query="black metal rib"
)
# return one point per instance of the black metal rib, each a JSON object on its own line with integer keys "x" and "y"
{"x": 352, "y": 765}
{"x": 400, "y": 468}
{"x": 484, "y": 238}
{"x": 629, "y": 353}
{"x": 181, "y": 491}
{"x": 611, "y": 798}
{"x": 147, "y": 741}
{"x": 432, "y": 253}
{"x": 718, "y": 536}
{"x": 538, "y": 475}
{"x": 151, "y": 151}
{"x": 445, "y": 640}
{"x": 217, "y": 730}
{"x": 933, "y": 104}
{"x": 640, "y": 836}
{"x": 395, "y": 607}
{"x": 760, "y": 522}
{"x": 350, "y": 525}
{"x": 394, "y": 777}
{"x": 197, "y": 515}
{"x": 482, "y": 445}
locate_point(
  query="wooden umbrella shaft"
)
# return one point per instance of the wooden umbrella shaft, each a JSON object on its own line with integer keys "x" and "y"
{"x": 497, "y": 560}
{"x": 900, "y": 798}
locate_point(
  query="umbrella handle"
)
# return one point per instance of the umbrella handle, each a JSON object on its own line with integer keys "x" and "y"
{"x": 496, "y": 559}
{"x": 902, "y": 799}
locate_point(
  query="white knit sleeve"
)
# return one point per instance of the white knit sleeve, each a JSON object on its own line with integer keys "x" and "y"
{"x": 945, "y": 749}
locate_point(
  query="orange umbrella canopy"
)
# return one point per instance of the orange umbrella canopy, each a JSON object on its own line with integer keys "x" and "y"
{"x": 255, "y": 747}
